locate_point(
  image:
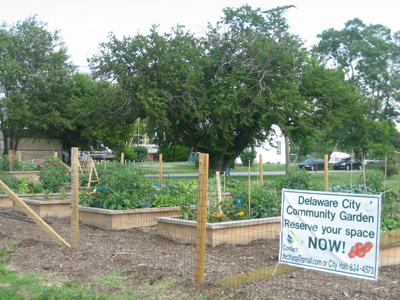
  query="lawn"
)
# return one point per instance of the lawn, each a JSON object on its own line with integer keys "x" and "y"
{"x": 334, "y": 178}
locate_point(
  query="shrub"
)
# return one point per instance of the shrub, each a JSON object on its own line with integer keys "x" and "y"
{"x": 248, "y": 155}
{"x": 141, "y": 152}
{"x": 299, "y": 179}
{"x": 391, "y": 169}
{"x": 53, "y": 175}
{"x": 175, "y": 153}
{"x": 9, "y": 180}
{"x": 129, "y": 154}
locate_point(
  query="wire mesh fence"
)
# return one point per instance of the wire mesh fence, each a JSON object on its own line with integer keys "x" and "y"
{"x": 194, "y": 225}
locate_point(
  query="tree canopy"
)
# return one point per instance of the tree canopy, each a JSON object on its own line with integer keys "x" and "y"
{"x": 34, "y": 81}
{"x": 221, "y": 93}
{"x": 370, "y": 57}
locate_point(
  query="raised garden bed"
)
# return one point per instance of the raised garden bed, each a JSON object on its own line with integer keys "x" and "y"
{"x": 44, "y": 206}
{"x": 31, "y": 175}
{"x": 235, "y": 232}
{"x": 389, "y": 256}
{"x": 124, "y": 219}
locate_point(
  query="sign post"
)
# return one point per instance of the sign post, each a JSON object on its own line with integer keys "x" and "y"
{"x": 331, "y": 232}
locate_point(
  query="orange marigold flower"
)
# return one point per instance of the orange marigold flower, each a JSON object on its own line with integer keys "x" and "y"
{"x": 241, "y": 213}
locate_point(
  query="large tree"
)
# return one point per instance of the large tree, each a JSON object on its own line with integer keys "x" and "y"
{"x": 219, "y": 93}
{"x": 97, "y": 120}
{"x": 370, "y": 57}
{"x": 35, "y": 75}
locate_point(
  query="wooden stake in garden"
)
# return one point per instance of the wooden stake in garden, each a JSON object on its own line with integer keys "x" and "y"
{"x": 261, "y": 171}
{"x": 201, "y": 218}
{"x": 249, "y": 188}
{"x": 11, "y": 155}
{"x": 326, "y": 168}
{"x": 219, "y": 193}
{"x": 75, "y": 197}
{"x": 160, "y": 175}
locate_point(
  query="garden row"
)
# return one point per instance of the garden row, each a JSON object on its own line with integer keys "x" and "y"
{"x": 124, "y": 198}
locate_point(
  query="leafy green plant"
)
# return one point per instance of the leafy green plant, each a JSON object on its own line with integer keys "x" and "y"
{"x": 9, "y": 180}
{"x": 23, "y": 186}
{"x": 53, "y": 175}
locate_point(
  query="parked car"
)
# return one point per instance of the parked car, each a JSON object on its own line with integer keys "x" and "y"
{"x": 374, "y": 161}
{"x": 348, "y": 164}
{"x": 312, "y": 164}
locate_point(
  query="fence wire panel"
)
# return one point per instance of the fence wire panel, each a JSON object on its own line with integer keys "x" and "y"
{"x": 140, "y": 221}
{"x": 246, "y": 259}
{"x": 126, "y": 209}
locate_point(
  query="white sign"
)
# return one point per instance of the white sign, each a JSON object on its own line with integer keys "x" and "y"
{"x": 331, "y": 232}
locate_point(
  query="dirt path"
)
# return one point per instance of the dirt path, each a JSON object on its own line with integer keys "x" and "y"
{"x": 147, "y": 258}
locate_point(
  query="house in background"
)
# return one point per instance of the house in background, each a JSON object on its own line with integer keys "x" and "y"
{"x": 272, "y": 152}
{"x": 35, "y": 150}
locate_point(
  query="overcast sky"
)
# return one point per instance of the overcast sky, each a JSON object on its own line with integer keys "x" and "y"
{"x": 86, "y": 23}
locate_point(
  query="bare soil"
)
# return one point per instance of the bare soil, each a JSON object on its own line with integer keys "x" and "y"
{"x": 146, "y": 258}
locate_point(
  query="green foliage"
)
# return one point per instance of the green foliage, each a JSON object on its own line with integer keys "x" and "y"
{"x": 129, "y": 189}
{"x": 209, "y": 93}
{"x": 129, "y": 154}
{"x": 141, "y": 152}
{"x": 247, "y": 155}
{"x": 34, "y": 80}
{"x": 23, "y": 186}
{"x": 5, "y": 164}
{"x": 11, "y": 181}
{"x": 391, "y": 169}
{"x": 369, "y": 55}
{"x": 53, "y": 175}
{"x": 298, "y": 179}
{"x": 175, "y": 153}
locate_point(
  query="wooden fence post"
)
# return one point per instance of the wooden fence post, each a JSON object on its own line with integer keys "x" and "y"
{"x": 249, "y": 200}
{"x": 11, "y": 155}
{"x": 122, "y": 158}
{"x": 75, "y": 197}
{"x": 261, "y": 171}
{"x": 326, "y": 168}
{"x": 160, "y": 175}
{"x": 201, "y": 218}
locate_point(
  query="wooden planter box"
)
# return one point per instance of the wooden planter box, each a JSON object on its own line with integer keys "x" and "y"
{"x": 124, "y": 219}
{"x": 6, "y": 202}
{"x": 390, "y": 255}
{"x": 47, "y": 207}
{"x": 235, "y": 232}
{"x": 31, "y": 175}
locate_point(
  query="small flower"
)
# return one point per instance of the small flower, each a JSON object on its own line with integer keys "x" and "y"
{"x": 241, "y": 213}
{"x": 224, "y": 216}
{"x": 219, "y": 215}
{"x": 239, "y": 201}
{"x": 214, "y": 215}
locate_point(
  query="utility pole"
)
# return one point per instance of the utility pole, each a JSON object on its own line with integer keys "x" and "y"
{"x": 280, "y": 10}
